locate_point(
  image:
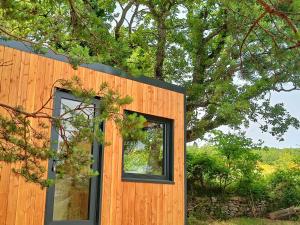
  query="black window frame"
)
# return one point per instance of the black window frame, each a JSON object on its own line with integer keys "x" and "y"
{"x": 168, "y": 154}
{"x": 95, "y": 182}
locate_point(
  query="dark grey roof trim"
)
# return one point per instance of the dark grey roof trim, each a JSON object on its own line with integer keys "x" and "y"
{"x": 95, "y": 66}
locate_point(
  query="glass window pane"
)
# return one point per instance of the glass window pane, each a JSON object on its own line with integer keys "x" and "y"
{"x": 71, "y": 199}
{"x": 146, "y": 156}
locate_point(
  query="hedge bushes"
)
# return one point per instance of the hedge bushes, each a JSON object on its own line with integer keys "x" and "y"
{"x": 233, "y": 165}
{"x": 285, "y": 188}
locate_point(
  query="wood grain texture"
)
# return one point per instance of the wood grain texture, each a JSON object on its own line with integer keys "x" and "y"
{"x": 27, "y": 82}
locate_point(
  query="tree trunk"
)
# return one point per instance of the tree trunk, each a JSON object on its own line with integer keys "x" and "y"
{"x": 284, "y": 213}
{"x": 161, "y": 49}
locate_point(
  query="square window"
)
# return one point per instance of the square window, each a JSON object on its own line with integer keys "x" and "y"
{"x": 150, "y": 159}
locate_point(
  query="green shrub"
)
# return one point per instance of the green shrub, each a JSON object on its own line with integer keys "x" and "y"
{"x": 254, "y": 188}
{"x": 230, "y": 165}
{"x": 204, "y": 170}
{"x": 285, "y": 188}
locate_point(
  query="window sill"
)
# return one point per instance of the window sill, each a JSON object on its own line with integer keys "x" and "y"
{"x": 147, "y": 180}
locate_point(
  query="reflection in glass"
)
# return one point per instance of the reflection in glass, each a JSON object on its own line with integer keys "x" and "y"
{"x": 71, "y": 199}
{"x": 146, "y": 156}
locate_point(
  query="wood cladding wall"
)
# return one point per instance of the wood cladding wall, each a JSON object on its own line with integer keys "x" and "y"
{"x": 27, "y": 81}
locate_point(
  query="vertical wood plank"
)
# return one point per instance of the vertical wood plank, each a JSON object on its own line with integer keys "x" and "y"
{"x": 177, "y": 166}
{"x": 129, "y": 197}
{"x": 116, "y": 189}
{"x": 39, "y": 195}
{"x": 107, "y": 167}
{"x": 14, "y": 180}
{"x": 5, "y": 169}
{"x": 24, "y": 187}
{"x": 181, "y": 158}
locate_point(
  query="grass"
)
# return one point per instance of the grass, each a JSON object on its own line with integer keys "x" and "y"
{"x": 245, "y": 221}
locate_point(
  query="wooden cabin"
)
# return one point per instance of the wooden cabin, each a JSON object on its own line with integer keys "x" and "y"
{"x": 123, "y": 194}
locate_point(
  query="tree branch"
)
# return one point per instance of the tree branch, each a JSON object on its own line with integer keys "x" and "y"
{"x": 136, "y": 10}
{"x": 214, "y": 33}
{"x": 271, "y": 10}
{"x": 122, "y": 19}
{"x": 254, "y": 24}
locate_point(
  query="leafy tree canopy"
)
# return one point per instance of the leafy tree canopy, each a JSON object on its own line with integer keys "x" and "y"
{"x": 229, "y": 55}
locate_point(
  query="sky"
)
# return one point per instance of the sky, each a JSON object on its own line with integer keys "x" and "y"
{"x": 292, "y": 137}
{"x": 291, "y": 101}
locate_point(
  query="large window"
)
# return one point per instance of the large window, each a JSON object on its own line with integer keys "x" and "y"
{"x": 72, "y": 201}
{"x": 151, "y": 158}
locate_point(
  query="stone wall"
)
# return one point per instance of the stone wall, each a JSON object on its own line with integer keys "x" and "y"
{"x": 227, "y": 207}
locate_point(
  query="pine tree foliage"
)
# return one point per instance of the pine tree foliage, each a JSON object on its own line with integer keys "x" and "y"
{"x": 25, "y": 140}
